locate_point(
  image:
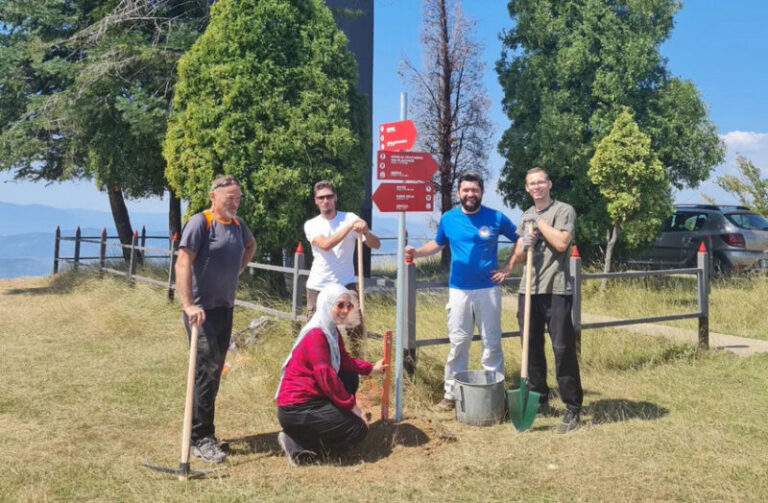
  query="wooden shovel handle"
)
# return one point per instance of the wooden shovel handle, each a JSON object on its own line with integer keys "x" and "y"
{"x": 186, "y": 431}
{"x": 360, "y": 279}
{"x": 527, "y": 312}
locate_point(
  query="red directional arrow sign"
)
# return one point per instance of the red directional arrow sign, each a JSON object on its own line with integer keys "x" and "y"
{"x": 404, "y": 165}
{"x": 404, "y": 197}
{"x": 397, "y": 135}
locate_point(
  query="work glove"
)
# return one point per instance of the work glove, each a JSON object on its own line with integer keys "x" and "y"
{"x": 530, "y": 217}
{"x": 529, "y": 240}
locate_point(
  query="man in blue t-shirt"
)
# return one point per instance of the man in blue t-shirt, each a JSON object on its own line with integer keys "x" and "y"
{"x": 472, "y": 231}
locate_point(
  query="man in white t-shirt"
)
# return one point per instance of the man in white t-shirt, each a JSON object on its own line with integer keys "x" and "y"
{"x": 333, "y": 235}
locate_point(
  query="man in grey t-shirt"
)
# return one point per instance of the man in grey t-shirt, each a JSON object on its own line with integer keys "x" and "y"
{"x": 554, "y": 225}
{"x": 215, "y": 248}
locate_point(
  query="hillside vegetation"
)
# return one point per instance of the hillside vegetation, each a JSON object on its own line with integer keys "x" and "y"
{"x": 93, "y": 375}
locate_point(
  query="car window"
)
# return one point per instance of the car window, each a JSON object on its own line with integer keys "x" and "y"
{"x": 685, "y": 221}
{"x": 681, "y": 222}
{"x": 701, "y": 219}
{"x": 750, "y": 221}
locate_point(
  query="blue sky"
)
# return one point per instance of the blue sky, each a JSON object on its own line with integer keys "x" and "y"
{"x": 720, "y": 45}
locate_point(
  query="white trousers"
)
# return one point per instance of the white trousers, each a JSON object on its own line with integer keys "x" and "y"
{"x": 466, "y": 308}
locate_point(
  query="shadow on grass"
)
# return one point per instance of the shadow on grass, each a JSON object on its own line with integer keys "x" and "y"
{"x": 265, "y": 443}
{"x": 616, "y": 410}
{"x": 382, "y": 437}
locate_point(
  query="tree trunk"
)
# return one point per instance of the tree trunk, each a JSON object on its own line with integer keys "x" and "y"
{"x": 445, "y": 123}
{"x": 174, "y": 215}
{"x": 609, "y": 254}
{"x": 121, "y": 218}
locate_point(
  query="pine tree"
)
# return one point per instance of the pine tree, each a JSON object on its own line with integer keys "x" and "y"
{"x": 85, "y": 91}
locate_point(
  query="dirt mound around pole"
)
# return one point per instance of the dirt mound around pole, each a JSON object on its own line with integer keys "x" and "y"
{"x": 386, "y": 437}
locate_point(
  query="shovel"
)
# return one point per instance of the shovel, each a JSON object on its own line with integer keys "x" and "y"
{"x": 183, "y": 470}
{"x": 361, "y": 296}
{"x": 522, "y": 403}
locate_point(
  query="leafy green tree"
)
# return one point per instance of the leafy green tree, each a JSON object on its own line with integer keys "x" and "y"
{"x": 267, "y": 94}
{"x": 635, "y": 185}
{"x": 749, "y": 186}
{"x": 568, "y": 68}
{"x": 85, "y": 91}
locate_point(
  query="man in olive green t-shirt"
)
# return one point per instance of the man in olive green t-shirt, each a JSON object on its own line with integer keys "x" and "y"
{"x": 554, "y": 224}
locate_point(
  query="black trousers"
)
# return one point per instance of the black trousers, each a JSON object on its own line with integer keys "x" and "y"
{"x": 212, "y": 346}
{"x": 554, "y": 311}
{"x": 320, "y": 426}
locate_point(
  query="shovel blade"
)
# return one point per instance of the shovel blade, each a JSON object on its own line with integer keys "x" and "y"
{"x": 523, "y": 405}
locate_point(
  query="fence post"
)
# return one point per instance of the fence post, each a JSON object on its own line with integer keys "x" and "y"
{"x": 409, "y": 341}
{"x": 143, "y": 242}
{"x": 103, "y": 251}
{"x": 702, "y": 263}
{"x": 132, "y": 261}
{"x": 56, "y": 250}
{"x": 172, "y": 264}
{"x": 575, "y": 267}
{"x": 297, "y": 294}
{"x": 78, "y": 235}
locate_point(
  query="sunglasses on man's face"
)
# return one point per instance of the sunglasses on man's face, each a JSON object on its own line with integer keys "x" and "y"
{"x": 323, "y": 198}
{"x": 224, "y": 183}
{"x": 344, "y": 306}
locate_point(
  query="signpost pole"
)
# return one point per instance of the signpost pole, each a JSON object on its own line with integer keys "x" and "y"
{"x": 400, "y": 320}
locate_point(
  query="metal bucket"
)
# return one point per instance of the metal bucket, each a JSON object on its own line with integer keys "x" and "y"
{"x": 479, "y": 397}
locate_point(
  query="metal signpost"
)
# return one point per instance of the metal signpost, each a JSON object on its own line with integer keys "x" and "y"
{"x": 412, "y": 191}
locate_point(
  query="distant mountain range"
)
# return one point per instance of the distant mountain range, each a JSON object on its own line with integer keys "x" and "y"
{"x": 27, "y": 233}
{"x": 29, "y": 218}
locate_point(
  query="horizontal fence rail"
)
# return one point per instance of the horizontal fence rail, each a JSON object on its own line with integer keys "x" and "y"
{"x": 138, "y": 251}
{"x": 701, "y": 271}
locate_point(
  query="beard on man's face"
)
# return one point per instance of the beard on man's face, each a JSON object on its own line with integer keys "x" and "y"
{"x": 471, "y": 203}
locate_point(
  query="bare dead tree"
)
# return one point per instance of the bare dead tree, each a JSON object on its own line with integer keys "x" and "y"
{"x": 450, "y": 105}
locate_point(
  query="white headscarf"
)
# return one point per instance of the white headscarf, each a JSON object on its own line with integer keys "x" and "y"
{"x": 321, "y": 319}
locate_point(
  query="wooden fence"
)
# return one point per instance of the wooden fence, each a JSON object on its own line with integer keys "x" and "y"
{"x": 138, "y": 249}
{"x": 298, "y": 275}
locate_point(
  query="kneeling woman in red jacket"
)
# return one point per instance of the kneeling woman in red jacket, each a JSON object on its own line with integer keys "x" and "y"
{"x": 316, "y": 396}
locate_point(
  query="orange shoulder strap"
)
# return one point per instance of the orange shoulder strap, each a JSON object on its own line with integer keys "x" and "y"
{"x": 208, "y": 218}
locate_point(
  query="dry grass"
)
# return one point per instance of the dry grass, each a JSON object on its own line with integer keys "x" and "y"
{"x": 735, "y": 304}
{"x": 93, "y": 386}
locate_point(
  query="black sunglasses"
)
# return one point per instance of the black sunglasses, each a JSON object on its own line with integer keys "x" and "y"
{"x": 224, "y": 183}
